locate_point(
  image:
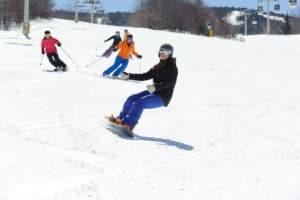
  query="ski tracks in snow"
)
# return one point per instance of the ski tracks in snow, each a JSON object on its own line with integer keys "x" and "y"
{"x": 63, "y": 167}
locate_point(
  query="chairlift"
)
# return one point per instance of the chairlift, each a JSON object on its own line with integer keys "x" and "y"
{"x": 277, "y": 8}
{"x": 81, "y": 6}
{"x": 90, "y": 1}
{"x": 293, "y": 3}
{"x": 260, "y": 10}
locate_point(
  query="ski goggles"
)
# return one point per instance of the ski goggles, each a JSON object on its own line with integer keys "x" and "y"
{"x": 165, "y": 52}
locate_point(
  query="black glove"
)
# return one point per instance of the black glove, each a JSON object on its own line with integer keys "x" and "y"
{"x": 139, "y": 56}
{"x": 115, "y": 49}
{"x": 59, "y": 44}
{"x": 43, "y": 52}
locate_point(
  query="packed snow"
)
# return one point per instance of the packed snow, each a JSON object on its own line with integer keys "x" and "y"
{"x": 231, "y": 131}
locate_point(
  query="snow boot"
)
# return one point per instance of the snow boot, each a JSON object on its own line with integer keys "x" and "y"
{"x": 114, "y": 120}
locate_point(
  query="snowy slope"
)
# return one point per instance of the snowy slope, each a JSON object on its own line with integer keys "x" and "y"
{"x": 231, "y": 131}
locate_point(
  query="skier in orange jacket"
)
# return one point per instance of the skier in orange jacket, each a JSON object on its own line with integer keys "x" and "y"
{"x": 126, "y": 49}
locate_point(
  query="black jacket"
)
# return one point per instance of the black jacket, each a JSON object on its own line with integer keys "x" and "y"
{"x": 117, "y": 40}
{"x": 164, "y": 76}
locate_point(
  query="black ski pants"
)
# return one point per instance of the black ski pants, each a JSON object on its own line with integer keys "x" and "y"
{"x": 55, "y": 60}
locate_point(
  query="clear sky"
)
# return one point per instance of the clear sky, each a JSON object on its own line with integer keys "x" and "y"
{"x": 127, "y": 5}
{"x": 109, "y": 5}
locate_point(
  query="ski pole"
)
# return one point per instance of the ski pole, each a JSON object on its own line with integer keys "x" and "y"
{"x": 69, "y": 57}
{"x": 94, "y": 62}
{"x": 41, "y": 62}
{"x": 140, "y": 65}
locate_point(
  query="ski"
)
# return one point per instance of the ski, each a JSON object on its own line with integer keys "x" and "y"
{"x": 118, "y": 79}
{"x": 54, "y": 70}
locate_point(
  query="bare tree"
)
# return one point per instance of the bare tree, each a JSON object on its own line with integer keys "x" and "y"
{"x": 4, "y": 15}
{"x": 12, "y": 11}
{"x": 174, "y": 15}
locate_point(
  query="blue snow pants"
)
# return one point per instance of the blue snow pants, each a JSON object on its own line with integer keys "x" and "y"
{"x": 116, "y": 66}
{"x": 135, "y": 105}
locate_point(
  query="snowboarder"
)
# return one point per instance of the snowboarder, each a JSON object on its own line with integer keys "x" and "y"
{"x": 164, "y": 75}
{"x": 116, "y": 40}
{"x": 121, "y": 61}
{"x": 48, "y": 45}
{"x": 126, "y": 33}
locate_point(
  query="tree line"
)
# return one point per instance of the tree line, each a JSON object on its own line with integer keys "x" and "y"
{"x": 12, "y": 11}
{"x": 177, "y": 15}
{"x": 174, "y": 15}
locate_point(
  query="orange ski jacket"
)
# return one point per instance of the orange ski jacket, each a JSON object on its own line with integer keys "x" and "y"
{"x": 126, "y": 50}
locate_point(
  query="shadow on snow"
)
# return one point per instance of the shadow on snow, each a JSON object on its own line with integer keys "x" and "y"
{"x": 160, "y": 141}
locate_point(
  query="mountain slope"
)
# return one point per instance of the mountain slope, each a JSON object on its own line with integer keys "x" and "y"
{"x": 230, "y": 132}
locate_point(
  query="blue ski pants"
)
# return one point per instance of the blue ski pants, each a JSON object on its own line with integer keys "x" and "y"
{"x": 116, "y": 66}
{"x": 135, "y": 105}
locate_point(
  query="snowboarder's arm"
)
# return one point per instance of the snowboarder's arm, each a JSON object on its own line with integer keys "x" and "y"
{"x": 109, "y": 39}
{"x": 142, "y": 77}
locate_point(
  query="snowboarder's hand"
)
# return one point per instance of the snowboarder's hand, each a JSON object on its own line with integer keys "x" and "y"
{"x": 43, "y": 52}
{"x": 124, "y": 76}
{"x": 151, "y": 88}
{"x": 59, "y": 44}
{"x": 139, "y": 56}
{"x": 115, "y": 49}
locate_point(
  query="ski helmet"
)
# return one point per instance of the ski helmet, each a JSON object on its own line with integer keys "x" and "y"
{"x": 130, "y": 37}
{"x": 166, "y": 48}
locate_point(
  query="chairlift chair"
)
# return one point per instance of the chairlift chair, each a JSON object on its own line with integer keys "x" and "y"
{"x": 90, "y": 1}
{"x": 293, "y": 3}
{"x": 277, "y": 8}
{"x": 260, "y": 10}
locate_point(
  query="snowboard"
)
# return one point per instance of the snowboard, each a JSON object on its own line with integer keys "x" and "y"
{"x": 118, "y": 129}
{"x": 108, "y": 52}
